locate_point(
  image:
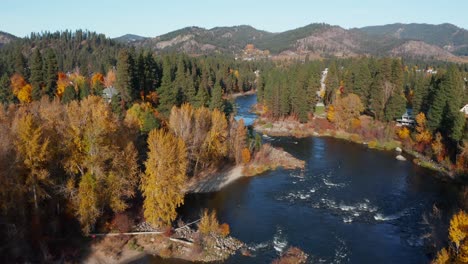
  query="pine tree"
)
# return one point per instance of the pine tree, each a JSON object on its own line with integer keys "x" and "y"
{"x": 69, "y": 94}
{"x": 37, "y": 74}
{"x": 191, "y": 92}
{"x": 20, "y": 65}
{"x": 124, "y": 83}
{"x": 167, "y": 92}
{"x": 395, "y": 107}
{"x": 362, "y": 83}
{"x": 84, "y": 90}
{"x": 6, "y": 95}
{"x": 285, "y": 99}
{"x": 179, "y": 81}
{"x": 420, "y": 94}
{"x": 202, "y": 98}
{"x": 376, "y": 97}
{"x": 217, "y": 101}
{"x": 332, "y": 83}
{"x": 51, "y": 73}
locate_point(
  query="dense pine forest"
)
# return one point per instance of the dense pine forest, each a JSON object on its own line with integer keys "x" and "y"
{"x": 94, "y": 131}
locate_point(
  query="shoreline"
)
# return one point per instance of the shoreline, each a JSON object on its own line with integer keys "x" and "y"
{"x": 278, "y": 129}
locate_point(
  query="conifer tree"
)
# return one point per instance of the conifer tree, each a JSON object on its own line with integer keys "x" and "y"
{"x": 362, "y": 82}
{"x": 51, "y": 73}
{"x": 217, "y": 101}
{"x": 69, "y": 94}
{"x": 37, "y": 74}
{"x": 6, "y": 95}
{"x": 124, "y": 82}
{"x": 420, "y": 94}
{"x": 167, "y": 92}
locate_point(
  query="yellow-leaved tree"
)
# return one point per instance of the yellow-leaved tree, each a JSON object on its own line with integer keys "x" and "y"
{"x": 101, "y": 161}
{"x": 32, "y": 147}
{"x": 164, "y": 179}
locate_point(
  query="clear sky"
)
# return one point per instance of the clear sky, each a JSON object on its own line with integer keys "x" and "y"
{"x": 152, "y": 18}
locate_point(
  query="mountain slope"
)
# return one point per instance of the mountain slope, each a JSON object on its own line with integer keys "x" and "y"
{"x": 129, "y": 38}
{"x": 6, "y": 38}
{"x": 447, "y": 36}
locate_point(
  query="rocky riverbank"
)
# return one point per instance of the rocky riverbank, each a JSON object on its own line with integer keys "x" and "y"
{"x": 270, "y": 158}
{"x": 267, "y": 158}
{"x": 184, "y": 243}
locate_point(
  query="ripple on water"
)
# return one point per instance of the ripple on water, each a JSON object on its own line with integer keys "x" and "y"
{"x": 279, "y": 241}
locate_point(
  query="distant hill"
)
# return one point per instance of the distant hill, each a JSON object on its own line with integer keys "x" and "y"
{"x": 6, "y": 38}
{"x": 446, "y": 36}
{"x": 129, "y": 38}
{"x": 441, "y": 42}
{"x": 420, "y": 41}
{"x": 198, "y": 40}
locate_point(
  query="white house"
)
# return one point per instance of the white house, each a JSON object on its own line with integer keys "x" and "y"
{"x": 108, "y": 93}
{"x": 465, "y": 110}
{"x": 406, "y": 119}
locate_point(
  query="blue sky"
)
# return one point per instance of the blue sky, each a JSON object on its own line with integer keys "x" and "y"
{"x": 152, "y": 18}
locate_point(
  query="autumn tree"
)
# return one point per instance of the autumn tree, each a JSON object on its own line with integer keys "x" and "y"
{"x": 32, "y": 147}
{"x": 215, "y": 146}
{"x": 347, "y": 109}
{"x": 99, "y": 158}
{"x": 165, "y": 177}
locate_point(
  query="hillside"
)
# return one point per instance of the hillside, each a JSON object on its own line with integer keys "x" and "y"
{"x": 446, "y": 36}
{"x": 6, "y": 38}
{"x": 318, "y": 40}
{"x": 441, "y": 42}
{"x": 129, "y": 38}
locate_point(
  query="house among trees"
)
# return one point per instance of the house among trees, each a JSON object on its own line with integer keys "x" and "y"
{"x": 406, "y": 119}
{"x": 108, "y": 93}
{"x": 464, "y": 110}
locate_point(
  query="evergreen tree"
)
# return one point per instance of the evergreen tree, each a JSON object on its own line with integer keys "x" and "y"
{"x": 285, "y": 102}
{"x": 6, "y": 95}
{"x": 37, "y": 74}
{"x": 260, "y": 88}
{"x": 202, "y": 98}
{"x": 396, "y": 106}
{"x": 332, "y": 83}
{"x": 20, "y": 65}
{"x": 51, "y": 73}
{"x": 167, "y": 92}
{"x": 420, "y": 94}
{"x": 217, "y": 101}
{"x": 69, "y": 94}
{"x": 179, "y": 81}
{"x": 84, "y": 90}
{"x": 191, "y": 92}
{"x": 376, "y": 97}
{"x": 124, "y": 82}
{"x": 362, "y": 83}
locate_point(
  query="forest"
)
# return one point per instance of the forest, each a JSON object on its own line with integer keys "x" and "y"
{"x": 93, "y": 130}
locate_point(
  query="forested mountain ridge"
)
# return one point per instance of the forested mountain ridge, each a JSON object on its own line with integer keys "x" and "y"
{"x": 447, "y": 36}
{"x": 442, "y": 42}
{"x": 422, "y": 41}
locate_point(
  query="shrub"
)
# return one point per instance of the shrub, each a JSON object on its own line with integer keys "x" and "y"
{"x": 122, "y": 222}
{"x": 224, "y": 230}
{"x": 245, "y": 155}
{"x": 372, "y": 144}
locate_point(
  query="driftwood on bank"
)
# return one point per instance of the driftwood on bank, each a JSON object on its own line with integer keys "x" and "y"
{"x": 140, "y": 233}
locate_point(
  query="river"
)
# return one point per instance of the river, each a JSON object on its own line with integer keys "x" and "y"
{"x": 350, "y": 204}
